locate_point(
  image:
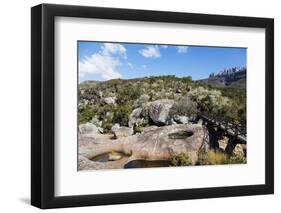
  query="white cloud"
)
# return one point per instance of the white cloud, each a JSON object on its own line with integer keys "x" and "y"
{"x": 182, "y": 49}
{"x": 101, "y": 65}
{"x": 164, "y": 46}
{"x": 150, "y": 52}
{"x": 113, "y": 49}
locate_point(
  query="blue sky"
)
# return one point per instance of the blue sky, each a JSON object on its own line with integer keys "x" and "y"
{"x": 104, "y": 61}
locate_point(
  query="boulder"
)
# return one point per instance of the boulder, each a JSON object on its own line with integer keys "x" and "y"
{"x": 115, "y": 127}
{"x": 240, "y": 150}
{"x": 159, "y": 111}
{"x": 96, "y": 121}
{"x": 222, "y": 144}
{"x": 110, "y": 100}
{"x": 88, "y": 129}
{"x": 181, "y": 119}
{"x": 200, "y": 121}
{"x": 178, "y": 91}
{"x": 134, "y": 116}
{"x": 164, "y": 142}
{"x": 122, "y": 132}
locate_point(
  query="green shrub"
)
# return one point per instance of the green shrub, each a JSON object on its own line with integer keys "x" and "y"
{"x": 141, "y": 101}
{"x": 140, "y": 125}
{"x": 85, "y": 114}
{"x": 121, "y": 114}
{"x": 181, "y": 160}
{"x": 185, "y": 106}
{"x": 106, "y": 127}
{"x": 128, "y": 93}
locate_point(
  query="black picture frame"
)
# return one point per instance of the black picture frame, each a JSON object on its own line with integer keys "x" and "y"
{"x": 43, "y": 102}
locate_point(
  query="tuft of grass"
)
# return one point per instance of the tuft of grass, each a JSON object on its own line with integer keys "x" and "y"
{"x": 218, "y": 158}
{"x": 212, "y": 158}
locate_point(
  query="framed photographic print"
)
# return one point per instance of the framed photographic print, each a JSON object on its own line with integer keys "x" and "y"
{"x": 139, "y": 106}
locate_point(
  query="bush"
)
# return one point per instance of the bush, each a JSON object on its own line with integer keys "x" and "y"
{"x": 141, "y": 101}
{"x": 128, "y": 93}
{"x": 106, "y": 127}
{"x": 140, "y": 125}
{"x": 181, "y": 160}
{"x": 185, "y": 106}
{"x": 229, "y": 103}
{"x": 210, "y": 100}
{"x": 86, "y": 114}
{"x": 121, "y": 114}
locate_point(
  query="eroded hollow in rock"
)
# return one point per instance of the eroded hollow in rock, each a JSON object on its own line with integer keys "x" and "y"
{"x": 180, "y": 134}
{"x": 147, "y": 164}
{"x": 110, "y": 156}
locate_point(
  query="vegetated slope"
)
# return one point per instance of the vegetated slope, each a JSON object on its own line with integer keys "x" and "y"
{"x": 108, "y": 102}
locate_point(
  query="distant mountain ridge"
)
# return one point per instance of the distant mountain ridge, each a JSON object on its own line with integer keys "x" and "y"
{"x": 230, "y": 77}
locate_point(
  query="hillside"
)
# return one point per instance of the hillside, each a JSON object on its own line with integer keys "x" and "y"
{"x": 113, "y": 101}
{"x": 232, "y": 77}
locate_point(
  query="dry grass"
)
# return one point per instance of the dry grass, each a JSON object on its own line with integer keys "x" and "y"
{"x": 218, "y": 158}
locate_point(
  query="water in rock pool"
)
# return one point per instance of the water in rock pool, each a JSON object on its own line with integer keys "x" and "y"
{"x": 103, "y": 158}
{"x": 109, "y": 157}
{"x": 147, "y": 164}
{"x": 180, "y": 135}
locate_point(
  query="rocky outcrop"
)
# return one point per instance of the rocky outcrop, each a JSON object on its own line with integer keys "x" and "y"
{"x": 122, "y": 132}
{"x": 159, "y": 111}
{"x": 234, "y": 77}
{"x": 115, "y": 127}
{"x": 88, "y": 129}
{"x": 134, "y": 116}
{"x": 240, "y": 150}
{"x": 181, "y": 119}
{"x": 155, "y": 143}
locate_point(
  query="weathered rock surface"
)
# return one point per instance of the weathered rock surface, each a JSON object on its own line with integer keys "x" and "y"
{"x": 88, "y": 129}
{"x": 159, "y": 111}
{"x": 222, "y": 144}
{"x": 115, "y": 127}
{"x": 123, "y": 132}
{"x": 155, "y": 143}
{"x": 240, "y": 150}
{"x": 149, "y": 128}
{"x": 85, "y": 164}
{"x": 181, "y": 119}
{"x": 134, "y": 116}
{"x": 110, "y": 100}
